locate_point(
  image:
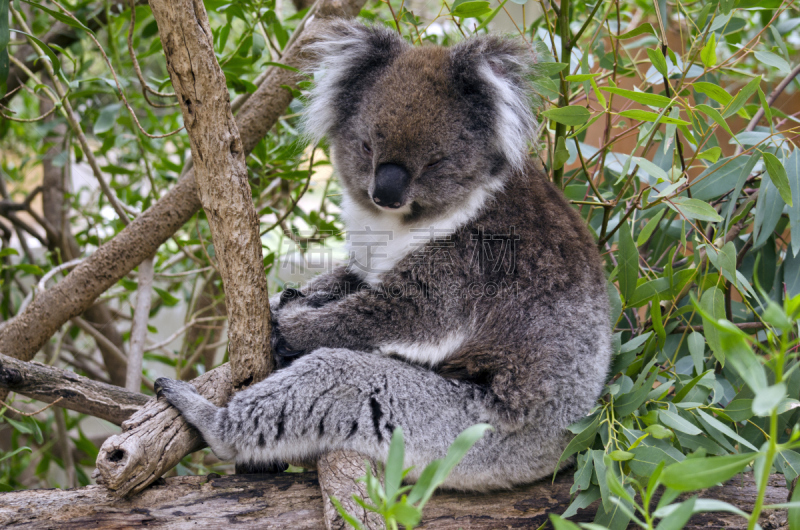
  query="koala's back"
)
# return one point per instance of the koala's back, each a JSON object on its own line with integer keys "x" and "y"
{"x": 537, "y": 297}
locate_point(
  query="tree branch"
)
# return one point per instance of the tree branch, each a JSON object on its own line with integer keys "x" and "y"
{"x": 78, "y": 393}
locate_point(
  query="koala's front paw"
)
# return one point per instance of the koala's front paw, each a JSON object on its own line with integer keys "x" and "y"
{"x": 283, "y": 354}
{"x": 179, "y": 394}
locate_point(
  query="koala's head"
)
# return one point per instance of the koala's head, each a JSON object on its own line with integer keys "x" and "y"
{"x": 415, "y": 131}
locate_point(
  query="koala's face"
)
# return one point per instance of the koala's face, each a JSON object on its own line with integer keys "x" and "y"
{"x": 416, "y": 131}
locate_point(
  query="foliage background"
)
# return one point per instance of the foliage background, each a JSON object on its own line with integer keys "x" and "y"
{"x": 662, "y": 130}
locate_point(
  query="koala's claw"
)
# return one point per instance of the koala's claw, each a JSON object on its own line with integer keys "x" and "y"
{"x": 172, "y": 390}
{"x": 158, "y": 386}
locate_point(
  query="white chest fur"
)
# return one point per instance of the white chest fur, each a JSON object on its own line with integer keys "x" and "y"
{"x": 377, "y": 240}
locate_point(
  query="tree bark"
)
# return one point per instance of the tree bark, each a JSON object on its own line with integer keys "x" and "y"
{"x": 293, "y": 500}
{"x": 221, "y": 176}
{"x": 338, "y": 474}
{"x": 77, "y": 393}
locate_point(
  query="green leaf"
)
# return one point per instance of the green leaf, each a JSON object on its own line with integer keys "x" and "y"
{"x": 694, "y": 209}
{"x": 352, "y": 521}
{"x": 582, "y": 440}
{"x": 710, "y": 421}
{"x": 644, "y": 115}
{"x": 793, "y": 175}
{"x": 794, "y": 513}
{"x": 69, "y": 21}
{"x": 108, "y": 117}
{"x": 620, "y": 456}
{"x": 562, "y": 524}
{"x": 659, "y": 432}
{"x": 648, "y": 457}
{"x": 488, "y": 18}
{"x": 700, "y": 473}
{"x": 166, "y": 297}
{"x": 682, "y": 393}
{"x": 771, "y": 59}
{"x": 659, "y": 61}
{"x": 635, "y": 342}
{"x": 713, "y": 303}
{"x": 649, "y": 228}
{"x": 631, "y": 401}
{"x": 572, "y": 115}
{"x": 712, "y": 154}
{"x": 655, "y": 100}
{"x": 713, "y": 91}
{"x": 54, "y": 60}
{"x": 709, "y": 52}
{"x": 470, "y": 8}
{"x": 613, "y": 483}
{"x": 583, "y": 473}
{"x": 393, "y": 477}
{"x": 765, "y": 106}
{"x": 739, "y": 409}
{"x": 714, "y": 114}
{"x": 14, "y": 453}
{"x": 741, "y": 356}
{"x": 652, "y": 169}
{"x": 628, "y": 257}
{"x": 644, "y": 28}
{"x": 697, "y": 349}
{"x": 561, "y": 154}
{"x": 674, "y": 421}
{"x": 549, "y": 69}
{"x": 678, "y": 517}
{"x": 767, "y": 399}
{"x": 741, "y": 98}
{"x": 777, "y": 174}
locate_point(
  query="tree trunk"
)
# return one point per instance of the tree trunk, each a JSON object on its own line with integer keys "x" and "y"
{"x": 221, "y": 176}
{"x": 293, "y": 500}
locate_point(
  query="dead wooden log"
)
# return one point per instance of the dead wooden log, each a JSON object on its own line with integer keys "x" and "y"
{"x": 155, "y": 439}
{"x": 293, "y": 500}
{"x": 77, "y": 393}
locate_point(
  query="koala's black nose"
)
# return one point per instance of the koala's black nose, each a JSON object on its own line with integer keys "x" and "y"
{"x": 391, "y": 182}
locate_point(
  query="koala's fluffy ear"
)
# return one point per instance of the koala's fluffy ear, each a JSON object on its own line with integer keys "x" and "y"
{"x": 348, "y": 59}
{"x": 500, "y": 67}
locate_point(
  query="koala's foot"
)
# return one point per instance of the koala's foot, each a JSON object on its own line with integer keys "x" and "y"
{"x": 199, "y": 412}
{"x": 179, "y": 394}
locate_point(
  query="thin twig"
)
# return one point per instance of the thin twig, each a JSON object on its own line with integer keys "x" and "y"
{"x": 9, "y": 407}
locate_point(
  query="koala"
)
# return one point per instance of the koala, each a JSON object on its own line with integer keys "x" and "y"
{"x": 474, "y": 293}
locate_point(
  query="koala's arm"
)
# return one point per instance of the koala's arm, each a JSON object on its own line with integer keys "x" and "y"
{"x": 321, "y": 290}
{"x": 366, "y": 320}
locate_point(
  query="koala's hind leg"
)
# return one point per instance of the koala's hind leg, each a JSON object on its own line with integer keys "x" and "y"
{"x": 198, "y": 411}
{"x": 342, "y": 399}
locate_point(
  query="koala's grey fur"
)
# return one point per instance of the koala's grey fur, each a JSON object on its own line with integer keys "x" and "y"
{"x": 498, "y": 315}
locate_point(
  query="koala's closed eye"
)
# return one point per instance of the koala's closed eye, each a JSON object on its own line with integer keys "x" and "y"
{"x": 435, "y": 163}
